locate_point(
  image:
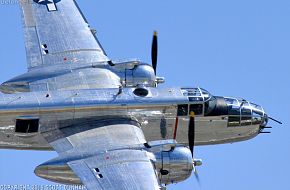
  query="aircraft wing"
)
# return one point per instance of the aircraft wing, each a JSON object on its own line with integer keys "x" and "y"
{"x": 128, "y": 170}
{"x": 105, "y": 154}
{"x": 56, "y": 32}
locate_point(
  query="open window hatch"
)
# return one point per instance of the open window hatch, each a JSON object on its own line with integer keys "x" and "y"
{"x": 27, "y": 125}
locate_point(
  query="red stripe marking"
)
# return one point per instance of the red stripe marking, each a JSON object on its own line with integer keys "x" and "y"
{"x": 175, "y": 129}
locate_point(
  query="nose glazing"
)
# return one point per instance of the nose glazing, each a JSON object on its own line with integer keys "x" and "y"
{"x": 243, "y": 113}
{"x": 264, "y": 120}
{"x": 259, "y": 114}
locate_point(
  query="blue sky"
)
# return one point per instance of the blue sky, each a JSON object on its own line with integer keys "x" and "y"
{"x": 235, "y": 48}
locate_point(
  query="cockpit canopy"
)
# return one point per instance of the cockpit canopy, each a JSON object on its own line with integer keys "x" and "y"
{"x": 196, "y": 94}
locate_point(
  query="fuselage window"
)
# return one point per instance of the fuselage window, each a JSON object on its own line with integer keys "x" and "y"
{"x": 205, "y": 94}
{"x": 182, "y": 110}
{"x": 27, "y": 125}
{"x": 196, "y": 108}
{"x": 195, "y": 99}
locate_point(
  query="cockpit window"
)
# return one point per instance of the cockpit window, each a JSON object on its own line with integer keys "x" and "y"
{"x": 196, "y": 108}
{"x": 195, "y": 99}
{"x": 190, "y": 92}
{"x": 193, "y": 94}
{"x": 205, "y": 94}
{"x": 196, "y": 94}
{"x": 182, "y": 110}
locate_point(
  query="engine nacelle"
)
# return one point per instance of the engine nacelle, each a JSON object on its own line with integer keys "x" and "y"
{"x": 141, "y": 74}
{"x": 175, "y": 165}
{"x": 134, "y": 73}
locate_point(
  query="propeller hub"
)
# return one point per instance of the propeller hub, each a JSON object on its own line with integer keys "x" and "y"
{"x": 197, "y": 162}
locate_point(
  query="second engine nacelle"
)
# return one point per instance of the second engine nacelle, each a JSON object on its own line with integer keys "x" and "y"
{"x": 175, "y": 165}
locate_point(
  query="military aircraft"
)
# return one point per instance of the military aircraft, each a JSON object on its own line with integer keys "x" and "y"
{"x": 111, "y": 123}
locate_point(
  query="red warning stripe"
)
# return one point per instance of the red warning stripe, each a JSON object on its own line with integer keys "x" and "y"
{"x": 175, "y": 129}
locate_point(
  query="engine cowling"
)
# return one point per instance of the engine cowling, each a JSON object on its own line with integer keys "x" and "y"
{"x": 141, "y": 74}
{"x": 175, "y": 165}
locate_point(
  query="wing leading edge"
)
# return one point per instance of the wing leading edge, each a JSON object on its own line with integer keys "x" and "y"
{"x": 56, "y": 32}
{"x": 105, "y": 154}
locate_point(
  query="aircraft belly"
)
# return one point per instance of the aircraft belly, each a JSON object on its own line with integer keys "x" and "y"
{"x": 6, "y": 135}
{"x": 13, "y": 141}
{"x": 157, "y": 124}
{"x": 215, "y": 130}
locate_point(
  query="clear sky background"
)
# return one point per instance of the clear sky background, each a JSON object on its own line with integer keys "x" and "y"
{"x": 236, "y": 48}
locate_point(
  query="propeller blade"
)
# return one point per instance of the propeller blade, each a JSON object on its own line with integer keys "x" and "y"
{"x": 196, "y": 176}
{"x": 191, "y": 142}
{"x": 275, "y": 120}
{"x": 191, "y": 133}
{"x": 154, "y": 51}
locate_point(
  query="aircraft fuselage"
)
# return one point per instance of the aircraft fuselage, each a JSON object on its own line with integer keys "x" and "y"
{"x": 162, "y": 114}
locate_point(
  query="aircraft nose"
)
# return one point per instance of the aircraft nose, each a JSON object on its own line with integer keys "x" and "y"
{"x": 264, "y": 118}
{"x": 258, "y": 115}
{"x": 242, "y": 112}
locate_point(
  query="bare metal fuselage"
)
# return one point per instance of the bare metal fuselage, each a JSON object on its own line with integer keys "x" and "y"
{"x": 156, "y": 113}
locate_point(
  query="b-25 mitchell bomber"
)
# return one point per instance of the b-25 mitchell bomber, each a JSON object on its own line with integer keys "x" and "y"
{"x": 111, "y": 123}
